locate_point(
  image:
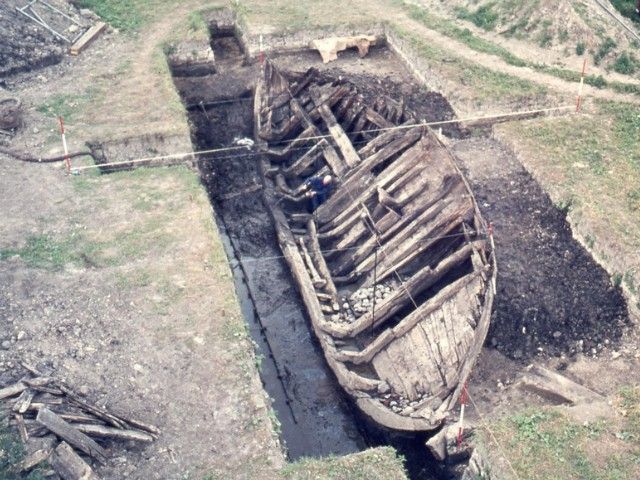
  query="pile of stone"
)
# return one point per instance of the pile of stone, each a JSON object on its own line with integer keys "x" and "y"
{"x": 363, "y": 299}
{"x": 402, "y": 405}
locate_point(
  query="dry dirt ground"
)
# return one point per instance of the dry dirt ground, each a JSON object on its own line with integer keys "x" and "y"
{"x": 119, "y": 282}
{"x": 100, "y": 283}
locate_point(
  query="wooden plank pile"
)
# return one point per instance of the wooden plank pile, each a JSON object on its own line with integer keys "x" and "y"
{"x": 38, "y": 405}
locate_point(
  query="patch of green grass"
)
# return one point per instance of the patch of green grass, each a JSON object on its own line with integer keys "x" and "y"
{"x": 544, "y": 444}
{"x": 448, "y": 28}
{"x": 12, "y": 452}
{"x": 49, "y": 252}
{"x": 545, "y": 37}
{"x": 604, "y": 49}
{"x": 484, "y": 16}
{"x": 68, "y": 106}
{"x": 626, "y": 64}
{"x": 125, "y": 15}
{"x": 627, "y": 8}
{"x": 374, "y": 464}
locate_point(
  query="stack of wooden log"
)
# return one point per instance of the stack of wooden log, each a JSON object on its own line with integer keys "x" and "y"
{"x": 39, "y": 405}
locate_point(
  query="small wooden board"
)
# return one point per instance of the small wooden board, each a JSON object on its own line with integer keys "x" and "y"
{"x": 88, "y": 37}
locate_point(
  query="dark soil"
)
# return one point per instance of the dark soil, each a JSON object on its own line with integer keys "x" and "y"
{"x": 553, "y": 298}
{"x": 25, "y": 45}
{"x": 426, "y": 106}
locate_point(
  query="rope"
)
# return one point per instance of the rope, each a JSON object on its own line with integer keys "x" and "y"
{"x": 25, "y": 157}
{"x": 319, "y": 137}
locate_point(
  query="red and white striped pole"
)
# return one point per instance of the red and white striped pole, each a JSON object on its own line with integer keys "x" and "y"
{"x": 67, "y": 160}
{"x": 463, "y": 402}
{"x": 579, "y": 99}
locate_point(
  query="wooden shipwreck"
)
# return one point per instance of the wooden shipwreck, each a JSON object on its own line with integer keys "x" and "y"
{"x": 396, "y": 269}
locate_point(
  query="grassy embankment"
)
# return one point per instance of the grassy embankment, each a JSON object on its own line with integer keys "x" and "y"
{"x": 548, "y": 444}
{"x": 626, "y": 63}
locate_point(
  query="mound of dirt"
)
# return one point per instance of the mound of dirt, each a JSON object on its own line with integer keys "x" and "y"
{"x": 557, "y": 24}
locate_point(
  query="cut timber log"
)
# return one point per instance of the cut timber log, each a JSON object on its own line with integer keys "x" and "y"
{"x": 320, "y": 261}
{"x": 101, "y": 431}
{"x": 70, "y": 434}
{"x": 557, "y": 388}
{"x": 69, "y": 465}
{"x": 88, "y": 37}
{"x": 22, "y": 427}
{"x": 12, "y": 390}
{"x": 23, "y": 401}
{"x": 32, "y": 460}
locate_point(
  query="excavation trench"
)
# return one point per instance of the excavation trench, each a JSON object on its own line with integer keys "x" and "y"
{"x": 316, "y": 418}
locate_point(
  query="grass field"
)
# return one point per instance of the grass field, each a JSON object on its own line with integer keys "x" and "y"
{"x": 548, "y": 444}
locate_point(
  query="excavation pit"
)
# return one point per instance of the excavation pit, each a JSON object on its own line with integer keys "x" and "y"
{"x": 316, "y": 418}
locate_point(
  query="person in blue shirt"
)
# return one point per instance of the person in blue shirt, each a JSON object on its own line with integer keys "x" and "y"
{"x": 317, "y": 190}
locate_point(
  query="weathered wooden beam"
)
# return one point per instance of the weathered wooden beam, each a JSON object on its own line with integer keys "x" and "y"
{"x": 404, "y": 236}
{"x": 33, "y": 459}
{"x": 377, "y": 119}
{"x": 407, "y": 323}
{"x": 349, "y": 153}
{"x": 330, "y": 155}
{"x": 22, "y": 427}
{"x": 312, "y": 235}
{"x": 295, "y": 89}
{"x": 331, "y": 97}
{"x": 386, "y": 308}
{"x": 383, "y": 139}
{"x": 278, "y": 155}
{"x": 88, "y": 37}
{"x": 102, "y": 431}
{"x": 388, "y": 201}
{"x": 315, "y": 276}
{"x": 23, "y": 401}
{"x": 69, "y": 465}
{"x": 359, "y": 180}
{"x": 305, "y": 161}
{"x": 71, "y": 435}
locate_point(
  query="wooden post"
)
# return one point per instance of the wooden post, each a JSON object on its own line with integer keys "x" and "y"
{"x": 67, "y": 160}
{"x": 579, "y": 100}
